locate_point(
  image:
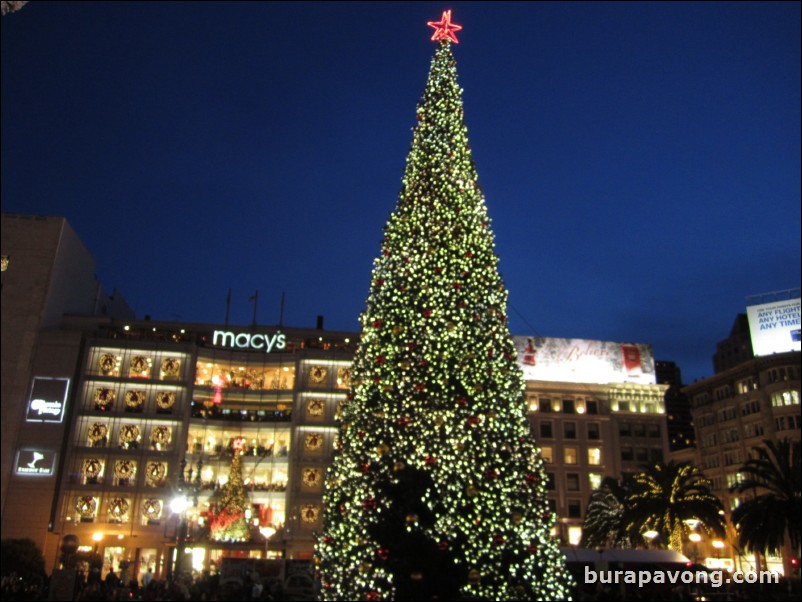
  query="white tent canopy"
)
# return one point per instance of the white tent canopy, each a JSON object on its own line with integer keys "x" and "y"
{"x": 586, "y": 555}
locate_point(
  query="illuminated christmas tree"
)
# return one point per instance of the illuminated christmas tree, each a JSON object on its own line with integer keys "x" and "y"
{"x": 437, "y": 489}
{"x": 229, "y": 522}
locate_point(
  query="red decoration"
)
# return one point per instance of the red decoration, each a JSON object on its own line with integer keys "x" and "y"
{"x": 380, "y": 360}
{"x": 238, "y": 443}
{"x": 427, "y": 313}
{"x": 472, "y": 420}
{"x": 383, "y": 553}
{"x": 531, "y": 477}
{"x": 218, "y": 396}
{"x": 430, "y": 461}
{"x": 443, "y": 546}
{"x": 377, "y": 323}
{"x": 491, "y": 474}
{"x": 462, "y": 401}
{"x": 498, "y": 540}
{"x": 403, "y": 421}
{"x": 444, "y": 29}
{"x": 369, "y": 504}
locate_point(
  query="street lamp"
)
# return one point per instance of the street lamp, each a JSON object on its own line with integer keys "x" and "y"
{"x": 650, "y": 536}
{"x": 187, "y": 495}
{"x": 267, "y": 532}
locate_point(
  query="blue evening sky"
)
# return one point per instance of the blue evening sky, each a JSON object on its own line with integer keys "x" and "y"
{"x": 640, "y": 161}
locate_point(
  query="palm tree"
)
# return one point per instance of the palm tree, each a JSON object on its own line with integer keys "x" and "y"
{"x": 668, "y": 496}
{"x": 766, "y": 520}
{"x": 608, "y": 522}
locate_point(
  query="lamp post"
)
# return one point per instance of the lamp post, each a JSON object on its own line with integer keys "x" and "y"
{"x": 186, "y": 495}
{"x": 650, "y": 536}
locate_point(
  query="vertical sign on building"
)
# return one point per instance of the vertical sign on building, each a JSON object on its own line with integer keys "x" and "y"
{"x": 48, "y": 399}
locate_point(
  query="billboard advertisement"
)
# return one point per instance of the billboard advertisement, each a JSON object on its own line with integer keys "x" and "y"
{"x": 585, "y": 361}
{"x": 774, "y": 327}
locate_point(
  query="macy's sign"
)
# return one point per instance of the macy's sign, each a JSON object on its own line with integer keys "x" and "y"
{"x": 246, "y": 340}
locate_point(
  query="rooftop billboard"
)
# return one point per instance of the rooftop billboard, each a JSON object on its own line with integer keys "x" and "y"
{"x": 774, "y": 327}
{"x": 585, "y": 361}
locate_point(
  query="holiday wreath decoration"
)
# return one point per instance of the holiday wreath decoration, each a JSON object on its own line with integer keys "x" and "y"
{"x": 155, "y": 473}
{"x": 160, "y": 437}
{"x": 314, "y": 407}
{"x": 140, "y": 366}
{"x": 310, "y": 513}
{"x": 311, "y": 477}
{"x": 152, "y": 508}
{"x": 313, "y": 441}
{"x": 91, "y": 468}
{"x": 104, "y": 398}
{"x": 124, "y": 469}
{"x": 317, "y": 374}
{"x": 86, "y": 506}
{"x": 134, "y": 400}
{"x": 165, "y": 399}
{"x": 343, "y": 378}
{"x": 107, "y": 363}
{"x": 118, "y": 508}
{"x": 170, "y": 367}
{"x": 129, "y": 433}
{"x": 97, "y": 434}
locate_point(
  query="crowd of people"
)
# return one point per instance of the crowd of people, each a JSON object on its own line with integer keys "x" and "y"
{"x": 118, "y": 586}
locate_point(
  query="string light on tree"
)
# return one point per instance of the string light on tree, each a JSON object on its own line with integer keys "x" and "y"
{"x": 437, "y": 490}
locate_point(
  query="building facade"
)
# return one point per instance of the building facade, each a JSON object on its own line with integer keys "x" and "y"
{"x": 736, "y": 410}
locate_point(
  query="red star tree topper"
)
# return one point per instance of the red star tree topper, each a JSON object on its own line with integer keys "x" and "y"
{"x": 445, "y": 29}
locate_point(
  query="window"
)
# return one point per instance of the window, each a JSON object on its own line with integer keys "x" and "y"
{"x": 730, "y": 436}
{"x": 707, "y": 420}
{"x": 655, "y": 454}
{"x": 626, "y": 454}
{"x": 701, "y": 400}
{"x": 594, "y": 456}
{"x": 593, "y": 431}
{"x": 733, "y": 479}
{"x": 625, "y": 429}
{"x": 732, "y": 457}
{"x": 568, "y": 406}
{"x": 638, "y": 430}
{"x": 569, "y": 455}
{"x": 574, "y": 509}
{"x": 753, "y": 430}
{"x": 653, "y": 431}
{"x": 546, "y": 454}
{"x": 745, "y": 385}
{"x": 545, "y": 405}
{"x": 552, "y": 505}
{"x": 592, "y": 406}
{"x": 788, "y": 423}
{"x": 711, "y": 461}
{"x": 727, "y": 414}
{"x": 569, "y": 430}
{"x": 785, "y": 398}
{"x": 750, "y": 407}
{"x": 722, "y": 393}
{"x": 572, "y": 480}
{"x": 641, "y": 454}
{"x": 594, "y": 480}
{"x": 551, "y": 484}
{"x": 709, "y": 440}
{"x": 545, "y": 430}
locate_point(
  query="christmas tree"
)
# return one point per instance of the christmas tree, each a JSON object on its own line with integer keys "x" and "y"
{"x": 437, "y": 490}
{"x": 229, "y": 522}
